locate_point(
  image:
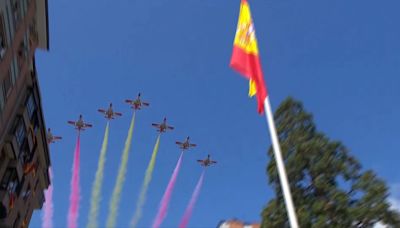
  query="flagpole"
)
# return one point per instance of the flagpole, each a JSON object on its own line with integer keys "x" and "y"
{"x": 281, "y": 167}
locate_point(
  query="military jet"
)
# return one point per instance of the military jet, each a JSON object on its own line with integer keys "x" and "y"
{"x": 162, "y": 127}
{"x": 186, "y": 144}
{"x": 109, "y": 113}
{"x": 51, "y": 138}
{"x": 206, "y": 162}
{"x": 80, "y": 125}
{"x": 137, "y": 104}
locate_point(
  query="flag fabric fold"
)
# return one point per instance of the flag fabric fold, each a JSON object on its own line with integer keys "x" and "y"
{"x": 246, "y": 61}
{"x": 245, "y": 57}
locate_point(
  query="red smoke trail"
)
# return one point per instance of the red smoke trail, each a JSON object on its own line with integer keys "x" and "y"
{"x": 47, "y": 219}
{"x": 162, "y": 211}
{"x": 189, "y": 209}
{"x": 75, "y": 189}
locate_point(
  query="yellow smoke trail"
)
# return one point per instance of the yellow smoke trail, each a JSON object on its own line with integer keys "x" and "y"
{"x": 146, "y": 182}
{"x": 98, "y": 181}
{"x": 116, "y": 195}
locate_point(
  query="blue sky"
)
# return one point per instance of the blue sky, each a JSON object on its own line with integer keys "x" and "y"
{"x": 341, "y": 58}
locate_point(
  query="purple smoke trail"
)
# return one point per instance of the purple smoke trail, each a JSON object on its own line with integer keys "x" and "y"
{"x": 162, "y": 211}
{"x": 47, "y": 219}
{"x": 75, "y": 189}
{"x": 189, "y": 209}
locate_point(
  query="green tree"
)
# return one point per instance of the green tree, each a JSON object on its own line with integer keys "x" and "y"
{"x": 328, "y": 187}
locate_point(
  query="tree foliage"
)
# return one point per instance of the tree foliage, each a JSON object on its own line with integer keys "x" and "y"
{"x": 328, "y": 186}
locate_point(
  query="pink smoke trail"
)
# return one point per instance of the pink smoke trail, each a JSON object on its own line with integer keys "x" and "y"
{"x": 75, "y": 189}
{"x": 47, "y": 219}
{"x": 192, "y": 202}
{"x": 163, "y": 209}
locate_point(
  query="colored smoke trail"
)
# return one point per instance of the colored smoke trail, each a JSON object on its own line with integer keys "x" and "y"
{"x": 192, "y": 202}
{"x": 75, "y": 188}
{"x": 162, "y": 211}
{"x": 47, "y": 216}
{"x": 146, "y": 182}
{"x": 116, "y": 195}
{"x": 98, "y": 181}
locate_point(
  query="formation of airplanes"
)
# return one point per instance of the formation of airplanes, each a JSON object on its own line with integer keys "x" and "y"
{"x": 110, "y": 114}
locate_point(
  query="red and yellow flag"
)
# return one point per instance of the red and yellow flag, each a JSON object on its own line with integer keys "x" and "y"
{"x": 245, "y": 58}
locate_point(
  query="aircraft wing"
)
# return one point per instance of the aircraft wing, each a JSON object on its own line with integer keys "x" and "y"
{"x": 145, "y": 104}
{"x": 72, "y": 122}
{"x": 88, "y": 125}
{"x": 193, "y": 145}
{"x": 155, "y": 125}
{"x": 213, "y": 162}
{"x": 129, "y": 101}
{"x": 179, "y": 143}
{"x": 101, "y": 110}
{"x": 57, "y": 137}
{"x": 117, "y": 113}
{"x": 170, "y": 127}
{"x": 201, "y": 161}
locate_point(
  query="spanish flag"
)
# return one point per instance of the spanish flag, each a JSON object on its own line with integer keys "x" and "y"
{"x": 245, "y": 58}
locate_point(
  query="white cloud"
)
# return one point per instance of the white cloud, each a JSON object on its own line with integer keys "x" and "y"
{"x": 380, "y": 225}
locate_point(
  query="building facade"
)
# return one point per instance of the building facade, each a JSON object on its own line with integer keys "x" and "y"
{"x": 24, "y": 153}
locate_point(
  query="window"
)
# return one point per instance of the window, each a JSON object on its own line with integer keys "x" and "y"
{"x": 20, "y": 132}
{"x": 2, "y": 98}
{"x": 16, "y": 12}
{"x": 16, "y": 222}
{"x": 35, "y": 122}
{"x": 26, "y": 193}
{"x": 21, "y": 54}
{"x": 20, "y": 185}
{"x": 6, "y": 178}
{"x": 7, "y": 86}
{"x": 24, "y": 7}
{"x": 5, "y": 90}
{"x": 24, "y": 155}
{"x": 10, "y": 180}
{"x": 31, "y": 105}
{"x": 36, "y": 185}
{"x": 2, "y": 38}
{"x": 33, "y": 37}
{"x": 2, "y": 156}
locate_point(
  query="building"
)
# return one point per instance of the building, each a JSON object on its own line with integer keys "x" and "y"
{"x": 24, "y": 153}
{"x": 234, "y": 223}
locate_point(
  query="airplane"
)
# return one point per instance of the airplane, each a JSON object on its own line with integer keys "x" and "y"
{"x": 137, "y": 104}
{"x": 163, "y": 127}
{"x": 206, "y": 162}
{"x": 186, "y": 144}
{"x": 80, "y": 125}
{"x": 109, "y": 113}
{"x": 51, "y": 138}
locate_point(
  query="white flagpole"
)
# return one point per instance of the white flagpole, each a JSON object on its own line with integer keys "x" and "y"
{"x": 281, "y": 167}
